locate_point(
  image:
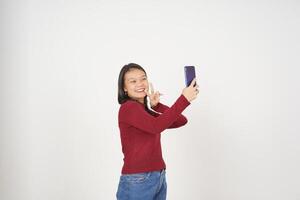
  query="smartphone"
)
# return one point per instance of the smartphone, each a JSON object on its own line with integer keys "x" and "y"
{"x": 190, "y": 74}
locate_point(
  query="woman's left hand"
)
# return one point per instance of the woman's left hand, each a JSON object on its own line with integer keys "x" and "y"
{"x": 153, "y": 96}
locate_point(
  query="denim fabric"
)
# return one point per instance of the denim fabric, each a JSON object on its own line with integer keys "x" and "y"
{"x": 143, "y": 186}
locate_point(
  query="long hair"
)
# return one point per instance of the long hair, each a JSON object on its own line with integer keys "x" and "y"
{"x": 122, "y": 96}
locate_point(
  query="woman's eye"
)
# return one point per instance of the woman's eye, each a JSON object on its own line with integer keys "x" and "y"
{"x": 132, "y": 81}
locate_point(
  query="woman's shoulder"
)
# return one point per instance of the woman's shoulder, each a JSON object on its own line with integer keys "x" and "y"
{"x": 129, "y": 108}
{"x": 129, "y": 104}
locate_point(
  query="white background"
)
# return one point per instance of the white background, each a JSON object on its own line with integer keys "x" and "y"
{"x": 60, "y": 62}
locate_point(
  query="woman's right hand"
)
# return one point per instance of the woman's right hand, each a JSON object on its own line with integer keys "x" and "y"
{"x": 191, "y": 92}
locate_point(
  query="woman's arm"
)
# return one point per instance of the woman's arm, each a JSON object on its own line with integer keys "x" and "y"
{"x": 180, "y": 121}
{"x": 134, "y": 114}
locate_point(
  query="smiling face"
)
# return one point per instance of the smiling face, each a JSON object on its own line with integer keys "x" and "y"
{"x": 135, "y": 84}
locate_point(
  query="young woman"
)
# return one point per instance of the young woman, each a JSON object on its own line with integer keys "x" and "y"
{"x": 143, "y": 172}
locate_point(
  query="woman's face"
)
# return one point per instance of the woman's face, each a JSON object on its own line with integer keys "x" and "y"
{"x": 135, "y": 84}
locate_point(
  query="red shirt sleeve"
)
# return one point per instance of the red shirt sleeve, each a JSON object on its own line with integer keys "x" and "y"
{"x": 180, "y": 121}
{"x": 134, "y": 113}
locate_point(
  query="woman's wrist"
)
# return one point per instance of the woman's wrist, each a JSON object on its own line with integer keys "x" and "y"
{"x": 154, "y": 105}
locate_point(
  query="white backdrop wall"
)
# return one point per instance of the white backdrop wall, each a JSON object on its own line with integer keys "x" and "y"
{"x": 59, "y": 67}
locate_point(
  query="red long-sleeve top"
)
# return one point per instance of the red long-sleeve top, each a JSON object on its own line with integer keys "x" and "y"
{"x": 140, "y": 133}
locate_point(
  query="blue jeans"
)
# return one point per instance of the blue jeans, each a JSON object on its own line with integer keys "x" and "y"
{"x": 143, "y": 186}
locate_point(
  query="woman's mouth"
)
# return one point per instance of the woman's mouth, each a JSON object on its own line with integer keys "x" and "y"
{"x": 140, "y": 90}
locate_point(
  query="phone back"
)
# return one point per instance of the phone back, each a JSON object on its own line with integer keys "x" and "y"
{"x": 189, "y": 72}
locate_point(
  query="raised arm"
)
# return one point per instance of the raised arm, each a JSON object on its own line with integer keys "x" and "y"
{"x": 180, "y": 121}
{"x": 134, "y": 114}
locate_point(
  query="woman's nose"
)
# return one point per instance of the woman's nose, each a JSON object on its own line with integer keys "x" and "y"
{"x": 139, "y": 83}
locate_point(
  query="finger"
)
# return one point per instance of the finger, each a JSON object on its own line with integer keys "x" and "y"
{"x": 193, "y": 82}
{"x": 147, "y": 92}
{"x": 151, "y": 88}
{"x": 158, "y": 94}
